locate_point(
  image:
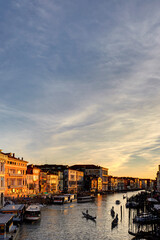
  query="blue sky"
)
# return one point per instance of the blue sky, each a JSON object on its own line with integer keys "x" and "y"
{"x": 80, "y": 83}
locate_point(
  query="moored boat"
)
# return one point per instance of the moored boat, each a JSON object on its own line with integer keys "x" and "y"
{"x": 145, "y": 218}
{"x": 132, "y": 204}
{"x": 85, "y": 199}
{"x": 7, "y": 230}
{"x": 33, "y": 213}
{"x": 17, "y": 210}
{"x": 61, "y": 199}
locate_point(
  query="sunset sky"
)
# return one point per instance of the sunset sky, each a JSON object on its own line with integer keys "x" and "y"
{"x": 80, "y": 83}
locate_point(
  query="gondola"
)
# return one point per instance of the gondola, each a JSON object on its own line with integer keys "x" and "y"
{"x": 112, "y": 212}
{"x": 115, "y": 221}
{"x": 88, "y": 216}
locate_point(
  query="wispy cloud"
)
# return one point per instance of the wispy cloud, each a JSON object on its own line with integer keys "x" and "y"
{"x": 80, "y": 83}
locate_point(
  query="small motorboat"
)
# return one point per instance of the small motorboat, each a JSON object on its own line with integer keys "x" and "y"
{"x": 132, "y": 204}
{"x": 33, "y": 213}
{"x": 146, "y": 218}
{"x": 88, "y": 216}
{"x": 112, "y": 212}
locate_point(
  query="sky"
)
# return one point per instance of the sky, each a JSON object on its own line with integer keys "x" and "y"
{"x": 80, "y": 83}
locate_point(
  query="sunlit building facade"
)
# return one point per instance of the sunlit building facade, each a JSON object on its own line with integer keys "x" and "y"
{"x": 96, "y": 184}
{"x": 3, "y": 159}
{"x": 33, "y": 176}
{"x": 15, "y": 176}
{"x": 52, "y": 183}
{"x": 73, "y": 181}
{"x": 94, "y": 171}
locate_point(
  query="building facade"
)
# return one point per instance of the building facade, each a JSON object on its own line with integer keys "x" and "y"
{"x": 73, "y": 180}
{"x": 52, "y": 183}
{"x": 94, "y": 171}
{"x": 3, "y": 159}
{"x": 33, "y": 175}
{"x": 15, "y": 176}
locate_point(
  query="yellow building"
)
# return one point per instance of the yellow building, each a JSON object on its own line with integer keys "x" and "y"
{"x": 15, "y": 176}
{"x": 96, "y": 184}
{"x": 52, "y": 183}
{"x": 3, "y": 159}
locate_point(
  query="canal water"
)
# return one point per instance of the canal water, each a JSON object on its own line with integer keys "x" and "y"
{"x": 65, "y": 222}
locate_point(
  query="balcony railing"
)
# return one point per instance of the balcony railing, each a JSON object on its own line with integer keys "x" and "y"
{"x": 16, "y": 175}
{"x": 17, "y": 186}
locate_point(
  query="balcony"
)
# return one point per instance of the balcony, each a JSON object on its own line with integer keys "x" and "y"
{"x": 17, "y": 186}
{"x": 16, "y": 175}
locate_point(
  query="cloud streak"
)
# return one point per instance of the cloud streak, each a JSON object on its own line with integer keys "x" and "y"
{"x": 80, "y": 83}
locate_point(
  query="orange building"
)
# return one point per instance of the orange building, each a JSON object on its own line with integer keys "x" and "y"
{"x": 15, "y": 176}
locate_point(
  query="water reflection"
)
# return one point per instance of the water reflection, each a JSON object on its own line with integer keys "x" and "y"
{"x": 66, "y": 221}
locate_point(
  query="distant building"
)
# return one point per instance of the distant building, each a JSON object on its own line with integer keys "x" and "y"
{"x": 73, "y": 180}
{"x": 43, "y": 188}
{"x": 33, "y": 176}
{"x": 158, "y": 179}
{"x": 52, "y": 183}
{"x": 96, "y": 184}
{"x": 57, "y": 170}
{"x": 143, "y": 183}
{"x": 112, "y": 183}
{"x": 91, "y": 170}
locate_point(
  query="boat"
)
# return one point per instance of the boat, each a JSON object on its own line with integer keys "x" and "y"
{"x": 132, "y": 204}
{"x": 118, "y": 202}
{"x": 145, "y": 218}
{"x": 7, "y": 229}
{"x": 115, "y": 221}
{"x": 33, "y": 213}
{"x": 71, "y": 197}
{"x": 17, "y": 210}
{"x": 61, "y": 199}
{"x": 112, "y": 212}
{"x": 88, "y": 216}
{"x": 85, "y": 199}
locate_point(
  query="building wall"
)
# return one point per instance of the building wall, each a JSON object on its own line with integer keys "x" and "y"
{"x": 3, "y": 159}
{"x": 158, "y": 180}
{"x": 15, "y": 176}
{"x": 43, "y": 182}
{"x": 73, "y": 180}
{"x": 60, "y": 180}
{"x": 33, "y": 175}
{"x": 52, "y": 183}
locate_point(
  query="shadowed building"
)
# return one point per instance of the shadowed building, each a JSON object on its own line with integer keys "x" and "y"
{"x": 94, "y": 171}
